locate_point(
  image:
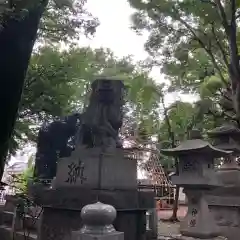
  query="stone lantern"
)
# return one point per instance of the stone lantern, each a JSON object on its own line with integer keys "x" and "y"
{"x": 227, "y": 138}
{"x": 197, "y": 176}
{"x": 224, "y": 202}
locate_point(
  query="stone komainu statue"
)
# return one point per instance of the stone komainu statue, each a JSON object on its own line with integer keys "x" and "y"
{"x": 98, "y": 126}
{"x": 55, "y": 140}
{"x": 103, "y": 117}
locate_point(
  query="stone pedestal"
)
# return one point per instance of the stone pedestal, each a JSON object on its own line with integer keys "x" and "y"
{"x": 89, "y": 168}
{"x": 61, "y": 210}
{"x": 224, "y": 203}
{"x": 199, "y": 221}
{"x": 152, "y": 224}
{"x": 87, "y": 177}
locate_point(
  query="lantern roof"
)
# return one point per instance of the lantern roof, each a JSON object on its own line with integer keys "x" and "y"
{"x": 195, "y": 145}
{"x": 227, "y": 129}
{"x": 229, "y": 145}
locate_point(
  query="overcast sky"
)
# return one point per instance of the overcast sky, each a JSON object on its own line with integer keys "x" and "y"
{"x": 114, "y": 32}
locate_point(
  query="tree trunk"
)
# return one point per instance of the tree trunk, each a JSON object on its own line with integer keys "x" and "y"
{"x": 16, "y": 44}
{"x": 174, "y": 217}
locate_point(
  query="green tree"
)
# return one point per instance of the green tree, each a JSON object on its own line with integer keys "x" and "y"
{"x": 17, "y": 36}
{"x": 19, "y": 22}
{"x": 195, "y": 42}
{"x": 58, "y": 82}
{"x": 24, "y": 178}
{"x": 66, "y": 24}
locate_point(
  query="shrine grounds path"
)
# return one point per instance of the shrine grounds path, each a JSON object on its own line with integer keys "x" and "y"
{"x": 167, "y": 228}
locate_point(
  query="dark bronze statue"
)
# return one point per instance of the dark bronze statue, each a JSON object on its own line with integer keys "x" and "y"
{"x": 97, "y": 126}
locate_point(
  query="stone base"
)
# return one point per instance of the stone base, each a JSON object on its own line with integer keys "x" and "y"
{"x": 181, "y": 237}
{"x": 62, "y": 208}
{"x": 58, "y": 224}
{"x": 110, "y": 236}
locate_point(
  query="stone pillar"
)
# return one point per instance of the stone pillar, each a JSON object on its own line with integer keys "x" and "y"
{"x": 199, "y": 221}
{"x": 97, "y": 222}
{"x": 152, "y": 224}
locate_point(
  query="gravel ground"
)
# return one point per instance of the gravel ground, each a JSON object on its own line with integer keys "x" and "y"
{"x": 168, "y": 228}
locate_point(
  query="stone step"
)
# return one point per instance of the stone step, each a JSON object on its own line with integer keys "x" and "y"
{"x": 6, "y": 234}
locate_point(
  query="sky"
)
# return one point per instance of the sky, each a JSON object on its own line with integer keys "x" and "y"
{"x": 114, "y": 32}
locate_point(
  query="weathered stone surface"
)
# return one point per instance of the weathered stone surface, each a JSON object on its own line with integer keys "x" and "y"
{"x": 229, "y": 176}
{"x": 110, "y": 236}
{"x": 199, "y": 221}
{"x": 233, "y": 201}
{"x": 224, "y": 202}
{"x": 75, "y": 199}
{"x": 226, "y": 211}
{"x": 89, "y": 168}
{"x": 58, "y": 224}
{"x": 152, "y": 223}
{"x": 181, "y": 237}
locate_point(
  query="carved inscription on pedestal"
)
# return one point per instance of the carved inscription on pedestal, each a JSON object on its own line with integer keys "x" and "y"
{"x": 76, "y": 172}
{"x": 193, "y": 221}
{"x": 194, "y": 212}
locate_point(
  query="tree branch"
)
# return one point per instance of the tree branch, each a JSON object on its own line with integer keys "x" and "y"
{"x": 237, "y": 16}
{"x": 223, "y": 52}
{"x": 29, "y": 83}
{"x": 208, "y": 2}
{"x": 233, "y": 41}
{"x": 223, "y": 16}
{"x": 209, "y": 52}
{"x": 170, "y": 132}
